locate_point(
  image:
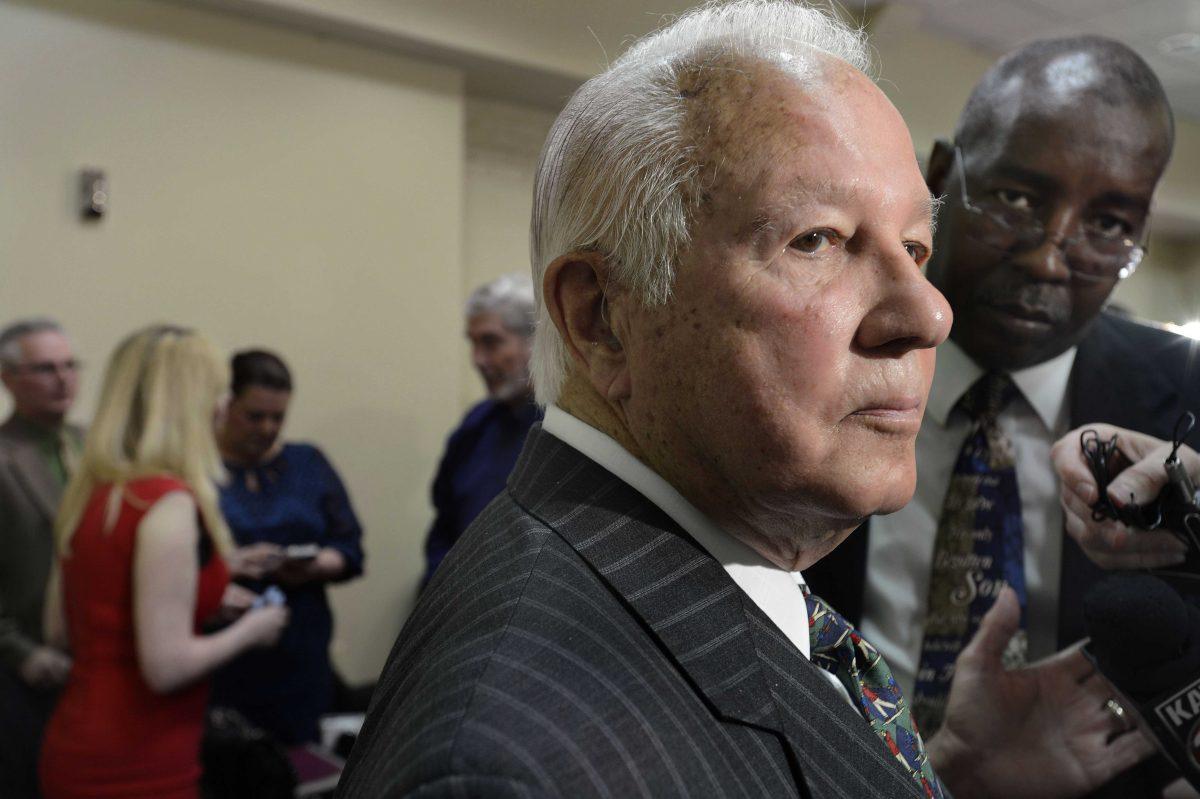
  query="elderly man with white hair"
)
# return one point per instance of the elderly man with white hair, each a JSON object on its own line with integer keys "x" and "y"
{"x": 735, "y": 348}
{"x": 481, "y": 452}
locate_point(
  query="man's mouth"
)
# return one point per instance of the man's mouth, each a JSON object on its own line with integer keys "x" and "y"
{"x": 1027, "y": 313}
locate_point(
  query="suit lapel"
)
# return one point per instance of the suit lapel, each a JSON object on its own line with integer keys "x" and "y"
{"x": 683, "y": 596}
{"x": 30, "y": 470}
{"x": 702, "y": 621}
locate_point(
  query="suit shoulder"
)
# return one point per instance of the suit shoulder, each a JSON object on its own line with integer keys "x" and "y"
{"x": 414, "y": 735}
{"x": 515, "y": 647}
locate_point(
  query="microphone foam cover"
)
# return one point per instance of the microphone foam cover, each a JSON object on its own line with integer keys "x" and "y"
{"x": 1145, "y": 638}
{"x": 1135, "y": 619}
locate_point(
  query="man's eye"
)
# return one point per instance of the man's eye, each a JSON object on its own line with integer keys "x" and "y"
{"x": 1016, "y": 200}
{"x": 1107, "y": 226}
{"x": 814, "y": 241}
{"x": 917, "y": 251}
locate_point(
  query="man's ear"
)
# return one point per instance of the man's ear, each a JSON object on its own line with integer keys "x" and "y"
{"x": 577, "y": 289}
{"x": 941, "y": 162}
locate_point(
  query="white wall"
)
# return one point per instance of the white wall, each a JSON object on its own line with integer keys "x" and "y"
{"x": 268, "y": 188}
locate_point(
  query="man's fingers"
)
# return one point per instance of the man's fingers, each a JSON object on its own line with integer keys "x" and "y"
{"x": 1112, "y": 545}
{"x": 1071, "y": 663}
{"x": 1142, "y": 481}
{"x": 1126, "y": 751}
{"x": 996, "y": 629}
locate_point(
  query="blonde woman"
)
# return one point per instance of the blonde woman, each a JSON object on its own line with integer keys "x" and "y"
{"x": 141, "y": 542}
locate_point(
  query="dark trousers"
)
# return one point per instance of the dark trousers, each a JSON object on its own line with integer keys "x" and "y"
{"x": 24, "y": 712}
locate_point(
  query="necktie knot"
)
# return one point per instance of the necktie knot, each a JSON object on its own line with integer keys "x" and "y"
{"x": 987, "y": 397}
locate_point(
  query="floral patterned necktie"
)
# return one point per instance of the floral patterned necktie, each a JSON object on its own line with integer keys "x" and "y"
{"x": 979, "y": 548}
{"x": 839, "y": 649}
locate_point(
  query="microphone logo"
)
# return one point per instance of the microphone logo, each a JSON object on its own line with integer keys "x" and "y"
{"x": 1194, "y": 749}
{"x": 1180, "y": 716}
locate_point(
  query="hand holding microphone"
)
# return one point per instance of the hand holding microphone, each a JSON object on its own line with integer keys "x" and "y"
{"x": 1146, "y": 640}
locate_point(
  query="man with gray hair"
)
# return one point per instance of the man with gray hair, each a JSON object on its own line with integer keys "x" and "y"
{"x": 735, "y": 349}
{"x": 480, "y": 454}
{"x": 37, "y": 448}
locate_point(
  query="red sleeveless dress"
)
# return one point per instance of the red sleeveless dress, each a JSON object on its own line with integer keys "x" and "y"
{"x": 110, "y": 735}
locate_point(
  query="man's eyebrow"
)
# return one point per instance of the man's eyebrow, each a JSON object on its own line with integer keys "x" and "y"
{"x": 828, "y": 191}
{"x": 931, "y": 207}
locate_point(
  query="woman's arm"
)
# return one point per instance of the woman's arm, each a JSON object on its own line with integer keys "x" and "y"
{"x": 54, "y": 621}
{"x": 165, "y": 575}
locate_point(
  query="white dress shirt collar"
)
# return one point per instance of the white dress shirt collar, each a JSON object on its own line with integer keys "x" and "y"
{"x": 1043, "y": 385}
{"x": 773, "y": 589}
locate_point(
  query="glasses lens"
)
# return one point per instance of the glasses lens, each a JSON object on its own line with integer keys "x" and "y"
{"x": 1089, "y": 257}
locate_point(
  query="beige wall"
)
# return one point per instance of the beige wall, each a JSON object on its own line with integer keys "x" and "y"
{"x": 268, "y": 189}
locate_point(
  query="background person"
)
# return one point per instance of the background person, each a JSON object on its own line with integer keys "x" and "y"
{"x": 141, "y": 540}
{"x": 38, "y": 448}
{"x": 279, "y": 495}
{"x": 480, "y": 454}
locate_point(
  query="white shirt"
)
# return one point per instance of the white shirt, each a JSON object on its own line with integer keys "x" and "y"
{"x": 901, "y": 543}
{"x": 775, "y": 590}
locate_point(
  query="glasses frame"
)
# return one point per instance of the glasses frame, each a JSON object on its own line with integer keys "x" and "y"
{"x": 1137, "y": 249}
{"x": 46, "y": 369}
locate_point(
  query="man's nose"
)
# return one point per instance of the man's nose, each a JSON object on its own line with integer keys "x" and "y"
{"x": 1047, "y": 261}
{"x": 910, "y": 314}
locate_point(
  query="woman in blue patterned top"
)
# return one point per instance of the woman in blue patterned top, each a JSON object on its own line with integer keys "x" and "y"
{"x": 295, "y": 528}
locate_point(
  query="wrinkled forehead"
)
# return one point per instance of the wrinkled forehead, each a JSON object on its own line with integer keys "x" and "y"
{"x": 43, "y": 343}
{"x": 1066, "y": 106}
{"x": 734, "y": 106}
{"x": 1118, "y": 142}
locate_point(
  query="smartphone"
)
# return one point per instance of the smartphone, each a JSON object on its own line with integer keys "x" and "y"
{"x": 301, "y": 551}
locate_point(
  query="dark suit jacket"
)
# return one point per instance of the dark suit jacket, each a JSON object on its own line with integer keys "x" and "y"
{"x": 29, "y": 496}
{"x": 1125, "y": 373}
{"x": 576, "y": 642}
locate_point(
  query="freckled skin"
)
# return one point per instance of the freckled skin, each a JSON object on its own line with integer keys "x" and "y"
{"x": 755, "y": 412}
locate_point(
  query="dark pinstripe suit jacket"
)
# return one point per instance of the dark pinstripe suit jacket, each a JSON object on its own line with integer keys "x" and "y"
{"x": 576, "y": 642}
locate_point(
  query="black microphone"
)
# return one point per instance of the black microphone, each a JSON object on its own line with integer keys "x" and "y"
{"x": 1146, "y": 640}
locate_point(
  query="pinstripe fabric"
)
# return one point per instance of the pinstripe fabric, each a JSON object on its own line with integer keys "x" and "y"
{"x": 577, "y": 643}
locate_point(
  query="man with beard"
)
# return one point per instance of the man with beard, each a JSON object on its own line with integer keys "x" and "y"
{"x": 1048, "y": 186}
{"x": 481, "y": 452}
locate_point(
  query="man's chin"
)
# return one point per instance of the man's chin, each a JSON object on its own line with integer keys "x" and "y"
{"x": 510, "y": 391}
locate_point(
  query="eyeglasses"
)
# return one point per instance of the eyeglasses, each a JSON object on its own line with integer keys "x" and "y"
{"x": 1098, "y": 253}
{"x": 49, "y": 368}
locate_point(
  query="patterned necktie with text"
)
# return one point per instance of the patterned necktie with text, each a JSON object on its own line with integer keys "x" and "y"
{"x": 980, "y": 548}
{"x": 839, "y": 649}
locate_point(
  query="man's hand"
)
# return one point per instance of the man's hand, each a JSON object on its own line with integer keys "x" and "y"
{"x": 45, "y": 667}
{"x": 1110, "y": 543}
{"x": 255, "y": 561}
{"x": 1038, "y": 732}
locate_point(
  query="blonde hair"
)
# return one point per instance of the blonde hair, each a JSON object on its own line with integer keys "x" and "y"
{"x": 155, "y": 417}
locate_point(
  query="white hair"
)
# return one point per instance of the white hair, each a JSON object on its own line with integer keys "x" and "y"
{"x": 509, "y": 296}
{"x": 10, "y": 337}
{"x": 618, "y": 175}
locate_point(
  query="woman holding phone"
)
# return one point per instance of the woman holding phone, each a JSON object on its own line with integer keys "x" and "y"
{"x": 295, "y": 528}
{"x": 140, "y": 538}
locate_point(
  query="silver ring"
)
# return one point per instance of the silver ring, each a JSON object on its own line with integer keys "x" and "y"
{"x": 1117, "y": 711}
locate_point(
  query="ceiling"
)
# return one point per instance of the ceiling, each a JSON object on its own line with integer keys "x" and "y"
{"x": 1165, "y": 32}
